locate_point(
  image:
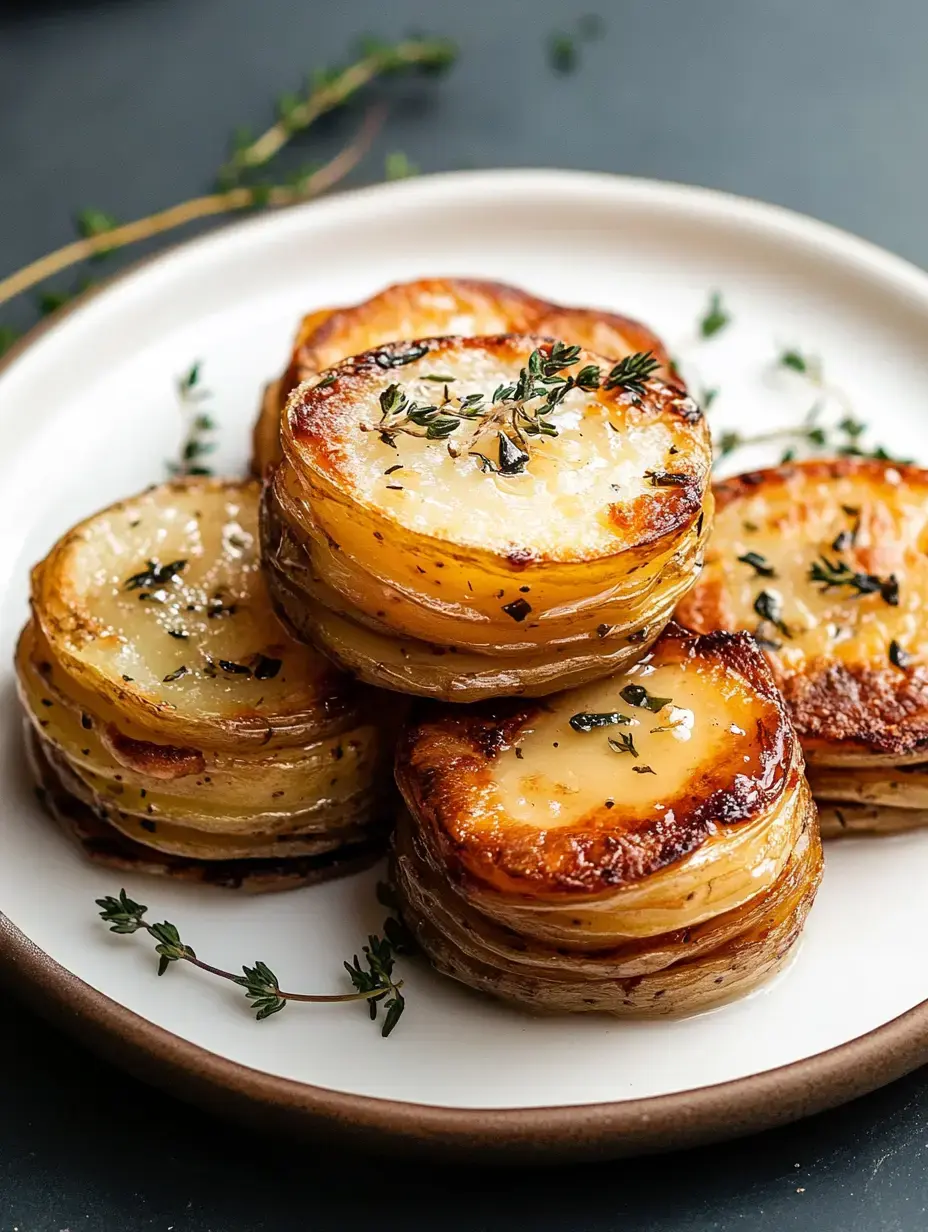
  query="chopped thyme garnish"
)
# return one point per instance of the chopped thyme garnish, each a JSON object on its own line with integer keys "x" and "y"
{"x": 439, "y": 377}
{"x": 155, "y": 575}
{"x": 759, "y": 564}
{"x": 176, "y": 674}
{"x": 623, "y": 743}
{"x": 216, "y": 607}
{"x": 769, "y": 607}
{"x": 898, "y": 657}
{"x": 834, "y": 574}
{"x": 586, "y": 721}
{"x": 798, "y": 361}
{"x": 265, "y": 668}
{"x": 196, "y": 444}
{"x": 638, "y": 695}
{"x": 715, "y": 317}
{"x": 179, "y": 634}
{"x": 234, "y": 669}
{"x": 326, "y": 381}
{"x": 707, "y": 397}
{"x": 667, "y": 479}
{"x": 399, "y": 359}
{"x": 643, "y": 770}
{"x": 518, "y": 609}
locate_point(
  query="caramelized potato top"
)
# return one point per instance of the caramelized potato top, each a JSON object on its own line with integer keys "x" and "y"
{"x": 603, "y": 786}
{"x": 825, "y": 561}
{"x": 157, "y": 607}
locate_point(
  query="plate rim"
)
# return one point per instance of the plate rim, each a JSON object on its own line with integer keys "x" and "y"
{"x": 570, "y": 1131}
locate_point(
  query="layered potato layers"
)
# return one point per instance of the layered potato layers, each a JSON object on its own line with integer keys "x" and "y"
{"x": 434, "y": 532}
{"x": 426, "y": 308}
{"x": 174, "y": 723}
{"x": 825, "y": 561}
{"x": 643, "y": 845}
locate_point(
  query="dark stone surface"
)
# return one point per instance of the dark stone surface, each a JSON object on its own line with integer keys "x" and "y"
{"x": 126, "y": 105}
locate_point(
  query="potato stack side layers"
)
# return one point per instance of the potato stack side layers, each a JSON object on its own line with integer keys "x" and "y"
{"x": 173, "y": 724}
{"x": 644, "y": 845}
{"x": 466, "y": 518}
{"x": 825, "y": 562}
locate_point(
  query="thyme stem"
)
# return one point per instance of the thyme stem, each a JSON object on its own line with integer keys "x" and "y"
{"x": 233, "y": 199}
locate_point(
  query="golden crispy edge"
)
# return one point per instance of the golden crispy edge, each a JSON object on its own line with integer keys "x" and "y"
{"x": 442, "y": 768}
{"x": 836, "y": 707}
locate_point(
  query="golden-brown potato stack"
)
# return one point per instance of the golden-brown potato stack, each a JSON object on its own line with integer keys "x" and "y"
{"x": 427, "y": 308}
{"x": 643, "y": 845}
{"x": 436, "y": 531}
{"x": 825, "y": 562}
{"x": 174, "y": 724}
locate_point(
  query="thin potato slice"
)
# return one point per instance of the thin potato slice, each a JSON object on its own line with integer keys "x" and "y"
{"x": 157, "y": 607}
{"x": 646, "y": 844}
{"x": 311, "y": 787}
{"x": 434, "y": 306}
{"x": 103, "y": 845}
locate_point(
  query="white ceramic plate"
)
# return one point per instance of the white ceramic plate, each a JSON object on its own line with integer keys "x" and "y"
{"x": 88, "y": 414}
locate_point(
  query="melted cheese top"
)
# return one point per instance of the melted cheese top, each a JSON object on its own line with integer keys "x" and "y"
{"x": 586, "y": 491}
{"x": 554, "y": 776}
{"x": 874, "y": 527}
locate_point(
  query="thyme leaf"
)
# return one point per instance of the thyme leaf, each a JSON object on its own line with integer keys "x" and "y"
{"x": 587, "y": 721}
{"x": 638, "y": 695}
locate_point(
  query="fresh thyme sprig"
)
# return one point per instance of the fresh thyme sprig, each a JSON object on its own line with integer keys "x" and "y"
{"x": 811, "y": 433}
{"x": 100, "y": 234}
{"x": 373, "y": 979}
{"x": 196, "y": 444}
{"x": 515, "y": 412}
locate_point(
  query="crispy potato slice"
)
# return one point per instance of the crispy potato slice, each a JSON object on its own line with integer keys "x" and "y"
{"x": 852, "y": 657}
{"x": 645, "y": 844}
{"x": 434, "y": 306}
{"x": 157, "y": 610}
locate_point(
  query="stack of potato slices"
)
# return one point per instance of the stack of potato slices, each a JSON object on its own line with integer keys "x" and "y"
{"x": 476, "y": 517}
{"x": 643, "y": 845}
{"x": 429, "y": 307}
{"x": 825, "y": 562}
{"x": 174, "y": 724}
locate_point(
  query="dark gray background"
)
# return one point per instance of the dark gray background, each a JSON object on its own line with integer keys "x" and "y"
{"x": 816, "y": 104}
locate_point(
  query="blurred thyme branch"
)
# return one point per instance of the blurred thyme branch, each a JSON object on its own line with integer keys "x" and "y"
{"x": 100, "y": 234}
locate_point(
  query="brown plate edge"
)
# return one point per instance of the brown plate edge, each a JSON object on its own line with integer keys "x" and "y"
{"x": 571, "y": 1132}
